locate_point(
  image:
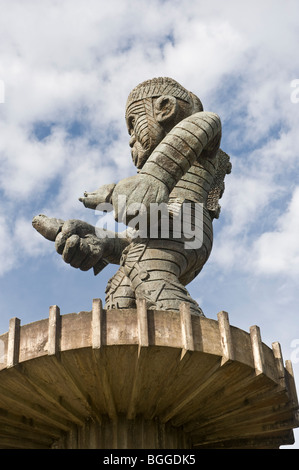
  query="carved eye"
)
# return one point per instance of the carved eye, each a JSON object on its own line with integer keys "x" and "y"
{"x": 132, "y": 122}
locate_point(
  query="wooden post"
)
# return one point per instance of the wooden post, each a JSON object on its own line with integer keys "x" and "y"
{"x": 13, "y": 342}
{"x": 257, "y": 350}
{"x": 186, "y": 328}
{"x": 292, "y": 386}
{"x": 225, "y": 337}
{"x": 54, "y": 331}
{"x": 96, "y": 323}
{"x": 279, "y": 364}
{"x": 97, "y": 341}
{"x": 142, "y": 323}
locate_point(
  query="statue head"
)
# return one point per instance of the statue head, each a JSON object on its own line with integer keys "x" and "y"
{"x": 153, "y": 108}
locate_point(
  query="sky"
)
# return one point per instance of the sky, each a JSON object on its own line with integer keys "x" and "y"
{"x": 66, "y": 69}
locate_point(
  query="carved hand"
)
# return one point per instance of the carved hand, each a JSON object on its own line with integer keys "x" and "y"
{"x": 76, "y": 241}
{"x": 79, "y": 245}
{"x": 130, "y": 192}
{"x": 100, "y": 196}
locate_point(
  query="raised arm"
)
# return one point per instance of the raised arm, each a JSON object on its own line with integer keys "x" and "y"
{"x": 80, "y": 244}
{"x": 196, "y": 137}
{"x": 192, "y": 139}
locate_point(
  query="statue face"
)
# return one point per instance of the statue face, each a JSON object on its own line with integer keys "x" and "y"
{"x": 145, "y": 131}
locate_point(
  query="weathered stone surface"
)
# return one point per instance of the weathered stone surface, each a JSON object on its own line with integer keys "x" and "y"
{"x": 138, "y": 378}
{"x": 175, "y": 148}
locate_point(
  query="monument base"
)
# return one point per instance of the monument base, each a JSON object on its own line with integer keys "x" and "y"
{"x": 135, "y": 379}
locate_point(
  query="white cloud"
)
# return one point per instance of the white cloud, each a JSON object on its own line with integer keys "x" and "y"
{"x": 205, "y": 52}
{"x": 277, "y": 252}
{"x": 28, "y": 241}
{"x": 75, "y": 61}
{"x": 28, "y": 164}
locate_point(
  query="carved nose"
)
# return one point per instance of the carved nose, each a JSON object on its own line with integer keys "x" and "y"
{"x": 132, "y": 141}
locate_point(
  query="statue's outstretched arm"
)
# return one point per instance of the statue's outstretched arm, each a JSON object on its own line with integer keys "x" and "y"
{"x": 80, "y": 244}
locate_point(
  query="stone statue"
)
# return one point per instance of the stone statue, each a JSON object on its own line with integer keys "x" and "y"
{"x": 175, "y": 147}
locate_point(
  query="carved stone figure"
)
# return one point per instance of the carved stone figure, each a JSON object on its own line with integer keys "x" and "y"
{"x": 175, "y": 147}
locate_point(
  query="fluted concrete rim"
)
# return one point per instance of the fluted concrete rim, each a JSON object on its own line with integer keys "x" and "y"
{"x": 182, "y": 334}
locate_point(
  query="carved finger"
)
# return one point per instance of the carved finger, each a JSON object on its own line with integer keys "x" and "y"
{"x": 81, "y": 253}
{"x": 94, "y": 256}
{"x": 60, "y": 242}
{"x": 70, "y": 248}
{"x": 89, "y": 262}
{"x": 46, "y": 226}
{"x": 69, "y": 228}
{"x": 88, "y": 201}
